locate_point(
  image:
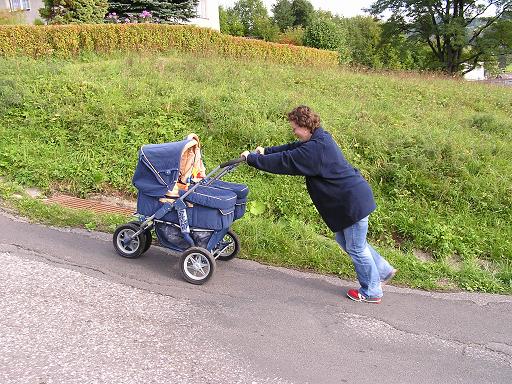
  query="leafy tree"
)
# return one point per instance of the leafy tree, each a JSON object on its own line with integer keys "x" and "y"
{"x": 265, "y": 28}
{"x": 283, "y": 14}
{"x": 364, "y": 39}
{"x": 74, "y": 11}
{"x": 164, "y": 11}
{"x": 230, "y": 23}
{"x": 458, "y": 32}
{"x": 303, "y": 12}
{"x": 248, "y": 11}
{"x": 324, "y": 33}
{"x": 499, "y": 37}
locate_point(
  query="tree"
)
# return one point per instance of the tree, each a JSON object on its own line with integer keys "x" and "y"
{"x": 230, "y": 23}
{"x": 248, "y": 11}
{"x": 283, "y": 14}
{"x": 303, "y": 12}
{"x": 324, "y": 33}
{"x": 364, "y": 39}
{"x": 163, "y": 11}
{"x": 265, "y": 28}
{"x": 74, "y": 11}
{"x": 459, "y": 32}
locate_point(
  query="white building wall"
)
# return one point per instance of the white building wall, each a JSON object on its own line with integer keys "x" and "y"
{"x": 476, "y": 74}
{"x": 30, "y": 8}
{"x": 207, "y": 14}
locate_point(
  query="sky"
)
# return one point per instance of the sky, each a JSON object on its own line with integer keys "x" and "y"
{"x": 346, "y": 8}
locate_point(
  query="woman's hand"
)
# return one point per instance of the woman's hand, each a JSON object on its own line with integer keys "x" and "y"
{"x": 244, "y": 154}
{"x": 260, "y": 150}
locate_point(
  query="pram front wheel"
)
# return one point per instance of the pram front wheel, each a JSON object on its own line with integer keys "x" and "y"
{"x": 147, "y": 232}
{"x": 197, "y": 265}
{"x": 126, "y": 245}
{"x": 229, "y": 246}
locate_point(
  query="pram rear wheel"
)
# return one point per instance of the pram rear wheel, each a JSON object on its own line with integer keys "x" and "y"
{"x": 197, "y": 265}
{"x": 230, "y": 246}
{"x": 147, "y": 232}
{"x": 127, "y": 246}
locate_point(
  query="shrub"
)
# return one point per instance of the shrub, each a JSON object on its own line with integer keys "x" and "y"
{"x": 74, "y": 11}
{"x": 363, "y": 38}
{"x": 71, "y": 40}
{"x": 230, "y": 23}
{"x": 162, "y": 11}
{"x": 266, "y": 29}
{"x": 323, "y": 33}
{"x": 292, "y": 35}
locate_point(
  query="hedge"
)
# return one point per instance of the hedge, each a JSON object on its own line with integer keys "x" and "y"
{"x": 72, "y": 40}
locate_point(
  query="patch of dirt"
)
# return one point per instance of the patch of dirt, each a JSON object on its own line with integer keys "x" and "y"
{"x": 398, "y": 239}
{"x": 447, "y": 285}
{"x": 455, "y": 262}
{"x": 486, "y": 265}
{"x": 34, "y": 193}
{"x": 422, "y": 255}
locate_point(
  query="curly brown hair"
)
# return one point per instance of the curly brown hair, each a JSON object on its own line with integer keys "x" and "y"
{"x": 305, "y": 117}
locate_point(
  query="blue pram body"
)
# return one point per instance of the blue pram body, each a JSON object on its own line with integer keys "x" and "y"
{"x": 198, "y": 215}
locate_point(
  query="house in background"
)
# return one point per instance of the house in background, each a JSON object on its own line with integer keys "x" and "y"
{"x": 207, "y": 14}
{"x": 478, "y": 73}
{"x": 30, "y": 8}
{"x": 207, "y": 11}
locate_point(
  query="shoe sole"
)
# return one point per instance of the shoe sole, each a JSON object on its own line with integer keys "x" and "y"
{"x": 369, "y": 301}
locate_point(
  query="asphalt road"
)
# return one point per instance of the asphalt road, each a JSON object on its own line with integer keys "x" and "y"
{"x": 72, "y": 311}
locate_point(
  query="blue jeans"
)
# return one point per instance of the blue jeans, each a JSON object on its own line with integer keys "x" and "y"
{"x": 371, "y": 268}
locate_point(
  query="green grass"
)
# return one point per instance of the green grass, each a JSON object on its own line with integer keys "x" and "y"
{"x": 437, "y": 152}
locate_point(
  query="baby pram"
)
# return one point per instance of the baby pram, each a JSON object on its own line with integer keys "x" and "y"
{"x": 189, "y": 211}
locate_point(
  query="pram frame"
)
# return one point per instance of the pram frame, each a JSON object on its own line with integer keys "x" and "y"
{"x": 147, "y": 223}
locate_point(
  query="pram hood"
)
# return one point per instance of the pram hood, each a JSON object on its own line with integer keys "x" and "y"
{"x": 160, "y": 166}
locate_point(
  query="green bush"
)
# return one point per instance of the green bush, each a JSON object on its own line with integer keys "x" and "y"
{"x": 74, "y": 11}
{"x": 72, "y": 40}
{"x": 266, "y": 29}
{"x": 323, "y": 33}
{"x": 363, "y": 39}
{"x": 230, "y": 23}
{"x": 291, "y": 35}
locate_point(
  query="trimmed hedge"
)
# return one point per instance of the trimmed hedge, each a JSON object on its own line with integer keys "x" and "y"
{"x": 71, "y": 40}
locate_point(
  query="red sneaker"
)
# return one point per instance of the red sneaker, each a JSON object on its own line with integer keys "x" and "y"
{"x": 353, "y": 294}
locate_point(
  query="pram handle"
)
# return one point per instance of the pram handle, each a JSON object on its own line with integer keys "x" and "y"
{"x": 232, "y": 162}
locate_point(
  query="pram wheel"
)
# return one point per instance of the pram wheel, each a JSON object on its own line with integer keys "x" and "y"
{"x": 147, "y": 232}
{"x": 197, "y": 265}
{"x": 230, "y": 246}
{"x": 129, "y": 249}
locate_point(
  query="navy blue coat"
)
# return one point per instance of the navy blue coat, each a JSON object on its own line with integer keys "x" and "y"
{"x": 341, "y": 195}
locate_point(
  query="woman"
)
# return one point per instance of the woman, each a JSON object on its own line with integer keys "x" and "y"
{"x": 341, "y": 195}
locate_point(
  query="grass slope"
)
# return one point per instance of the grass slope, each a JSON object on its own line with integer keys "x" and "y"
{"x": 437, "y": 152}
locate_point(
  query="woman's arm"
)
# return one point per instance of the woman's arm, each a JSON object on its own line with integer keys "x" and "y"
{"x": 301, "y": 160}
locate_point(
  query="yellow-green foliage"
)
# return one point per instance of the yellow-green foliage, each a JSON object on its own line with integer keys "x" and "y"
{"x": 71, "y": 40}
